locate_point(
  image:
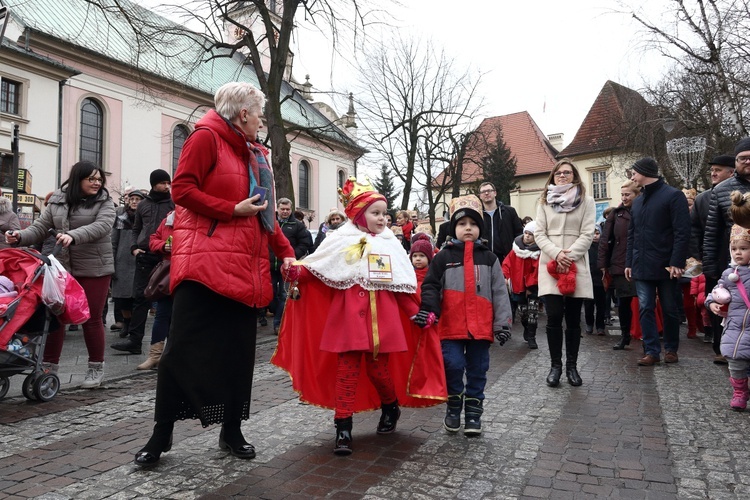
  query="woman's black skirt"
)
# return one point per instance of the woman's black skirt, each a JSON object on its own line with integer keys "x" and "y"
{"x": 206, "y": 371}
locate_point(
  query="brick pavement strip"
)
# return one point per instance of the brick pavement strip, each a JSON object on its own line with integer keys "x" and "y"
{"x": 628, "y": 432}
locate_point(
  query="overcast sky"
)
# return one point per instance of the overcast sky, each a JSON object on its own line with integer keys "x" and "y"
{"x": 548, "y": 57}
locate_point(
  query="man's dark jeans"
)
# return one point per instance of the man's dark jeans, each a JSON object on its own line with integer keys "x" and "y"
{"x": 144, "y": 264}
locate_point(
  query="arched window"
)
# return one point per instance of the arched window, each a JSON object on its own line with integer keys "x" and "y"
{"x": 92, "y": 132}
{"x": 304, "y": 185}
{"x": 179, "y": 134}
{"x": 342, "y": 178}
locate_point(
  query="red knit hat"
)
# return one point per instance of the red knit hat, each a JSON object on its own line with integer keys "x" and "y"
{"x": 566, "y": 282}
{"x": 420, "y": 242}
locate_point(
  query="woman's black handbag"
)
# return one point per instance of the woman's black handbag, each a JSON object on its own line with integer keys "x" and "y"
{"x": 158, "y": 282}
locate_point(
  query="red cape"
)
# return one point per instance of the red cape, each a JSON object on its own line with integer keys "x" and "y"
{"x": 418, "y": 373}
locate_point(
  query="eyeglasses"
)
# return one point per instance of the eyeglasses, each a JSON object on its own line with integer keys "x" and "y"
{"x": 95, "y": 180}
{"x": 743, "y": 159}
{"x": 563, "y": 173}
{"x": 486, "y": 191}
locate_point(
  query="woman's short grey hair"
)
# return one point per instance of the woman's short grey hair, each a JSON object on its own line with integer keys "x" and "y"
{"x": 233, "y": 96}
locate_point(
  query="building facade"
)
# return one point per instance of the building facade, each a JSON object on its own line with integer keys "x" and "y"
{"x": 82, "y": 88}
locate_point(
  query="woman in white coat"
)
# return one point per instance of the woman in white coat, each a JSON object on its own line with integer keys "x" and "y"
{"x": 565, "y": 229}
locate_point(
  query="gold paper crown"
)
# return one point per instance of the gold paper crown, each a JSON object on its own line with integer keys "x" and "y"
{"x": 739, "y": 233}
{"x": 469, "y": 201}
{"x": 352, "y": 188}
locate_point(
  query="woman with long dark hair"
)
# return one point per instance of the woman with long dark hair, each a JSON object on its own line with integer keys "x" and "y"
{"x": 565, "y": 229}
{"x": 82, "y": 214}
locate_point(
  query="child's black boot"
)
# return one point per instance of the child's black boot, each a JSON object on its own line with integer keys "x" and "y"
{"x": 473, "y": 417}
{"x": 388, "y": 417}
{"x": 531, "y": 337}
{"x": 343, "y": 444}
{"x": 452, "y": 422}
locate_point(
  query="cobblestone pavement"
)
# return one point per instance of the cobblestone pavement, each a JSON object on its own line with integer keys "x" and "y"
{"x": 628, "y": 432}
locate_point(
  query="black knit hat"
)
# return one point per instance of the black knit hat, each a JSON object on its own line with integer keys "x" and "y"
{"x": 647, "y": 167}
{"x": 743, "y": 145}
{"x": 723, "y": 161}
{"x": 158, "y": 176}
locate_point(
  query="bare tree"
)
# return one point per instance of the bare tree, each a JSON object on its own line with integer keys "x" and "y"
{"x": 257, "y": 31}
{"x": 415, "y": 104}
{"x": 708, "y": 39}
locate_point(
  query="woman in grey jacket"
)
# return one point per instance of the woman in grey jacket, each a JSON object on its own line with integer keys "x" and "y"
{"x": 8, "y": 218}
{"x": 82, "y": 214}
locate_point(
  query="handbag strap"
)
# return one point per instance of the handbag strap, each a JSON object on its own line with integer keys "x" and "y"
{"x": 743, "y": 291}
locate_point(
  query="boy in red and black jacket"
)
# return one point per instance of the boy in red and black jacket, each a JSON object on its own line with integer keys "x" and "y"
{"x": 466, "y": 281}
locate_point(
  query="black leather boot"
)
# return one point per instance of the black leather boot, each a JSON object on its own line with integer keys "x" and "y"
{"x": 128, "y": 345}
{"x": 553, "y": 378}
{"x": 125, "y": 330}
{"x": 388, "y": 418}
{"x": 554, "y": 341}
{"x": 343, "y": 445}
{"x": 160, "y": 442}
{"x": 572, "y": 344}
{"x": 231, "y": 439}
{"x": 624, "y": 340}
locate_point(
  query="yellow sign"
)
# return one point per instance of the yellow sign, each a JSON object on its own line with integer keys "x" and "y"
{"x": 24, "y": 181}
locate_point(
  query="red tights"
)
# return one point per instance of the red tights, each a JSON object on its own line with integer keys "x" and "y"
{"x": 347, "y": 375}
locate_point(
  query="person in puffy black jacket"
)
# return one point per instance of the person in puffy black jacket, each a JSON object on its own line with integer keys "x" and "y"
{"x": 719, "y": 222}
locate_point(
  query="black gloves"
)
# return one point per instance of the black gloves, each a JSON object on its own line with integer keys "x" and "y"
{"x": 424, "y": 318}
{"x": 502, "y": 336}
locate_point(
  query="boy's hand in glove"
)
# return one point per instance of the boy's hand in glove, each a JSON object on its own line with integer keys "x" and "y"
{"x": 425, "y": 319}
{"x": 502, "y": 336}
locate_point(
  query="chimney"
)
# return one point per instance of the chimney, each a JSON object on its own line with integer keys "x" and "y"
{"x": 556, "y": 140}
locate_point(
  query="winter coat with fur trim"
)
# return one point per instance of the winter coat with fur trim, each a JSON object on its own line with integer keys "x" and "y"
{"x": 521, "y": 266}
{"x": 210, "y": 245}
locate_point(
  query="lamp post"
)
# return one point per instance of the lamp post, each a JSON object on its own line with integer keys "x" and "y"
{"x": 14, "y": 150}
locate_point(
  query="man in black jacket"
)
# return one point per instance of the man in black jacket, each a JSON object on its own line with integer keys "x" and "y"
{"x": 301, "y": 240}
{"x": 658, "y": 240}
{"x": 719, "y": 223}
{"x": 721, "y": 168}
{"x": 149, "y": 214}
{"x": 501, "y": 222}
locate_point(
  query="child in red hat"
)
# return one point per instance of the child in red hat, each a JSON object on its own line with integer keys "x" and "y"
{"x": 360, "y": 281}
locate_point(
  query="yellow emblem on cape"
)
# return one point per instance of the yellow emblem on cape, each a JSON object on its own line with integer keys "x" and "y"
{"x": 355, "y": 252}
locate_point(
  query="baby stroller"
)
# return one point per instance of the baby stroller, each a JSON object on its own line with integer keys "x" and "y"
{"x": 25, "y": 324}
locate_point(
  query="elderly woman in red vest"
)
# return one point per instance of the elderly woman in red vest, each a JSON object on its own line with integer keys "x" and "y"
{"x": 220, "y": 273}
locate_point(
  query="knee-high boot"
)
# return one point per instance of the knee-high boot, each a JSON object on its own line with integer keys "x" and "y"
{"x": 554, "y": 341}
{"x": 572, "y": 344}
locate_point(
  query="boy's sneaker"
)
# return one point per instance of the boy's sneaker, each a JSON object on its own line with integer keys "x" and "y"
{"x": 473, "y": 425}
{"x": 94, "y": 376}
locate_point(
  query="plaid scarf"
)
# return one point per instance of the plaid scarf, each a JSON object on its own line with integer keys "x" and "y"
{"x": 261, "y": 173}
